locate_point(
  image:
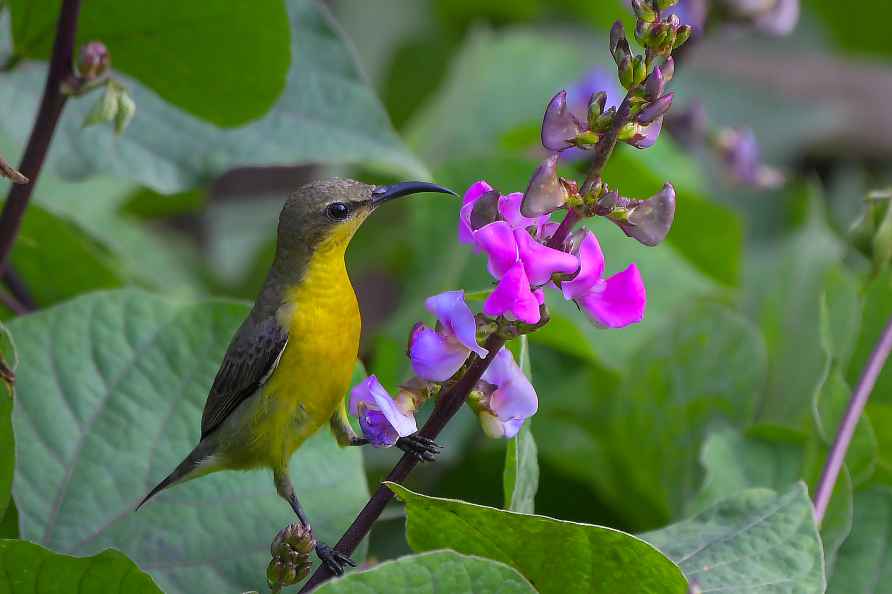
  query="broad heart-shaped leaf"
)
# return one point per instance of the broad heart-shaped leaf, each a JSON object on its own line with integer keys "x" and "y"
{"x": 7, "y": 440}
{"x": 49, "y": 273}
{"x": 700, "y": 371}
{"x": 327, "y": 114}
{"x": 864, "y": 565}
{"x": 193, "y": 54}
{"x": 554, "y": 555}
{"x": 521, "y": 475}
{"x": 28, "y": 568}
{"x": 109, "y": 403}
{"x": 775, "y": 458}
{"x": 437, "y": 571}
{"x": 756, "y": 541}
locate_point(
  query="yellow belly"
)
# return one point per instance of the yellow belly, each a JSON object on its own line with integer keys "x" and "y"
{"x": 313, "y": 375}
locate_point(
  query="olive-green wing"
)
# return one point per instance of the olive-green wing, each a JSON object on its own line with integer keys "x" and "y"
{"x": 251, "y": 358}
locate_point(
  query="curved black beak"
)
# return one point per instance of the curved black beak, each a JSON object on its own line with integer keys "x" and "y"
{"x": 383, "y": 194}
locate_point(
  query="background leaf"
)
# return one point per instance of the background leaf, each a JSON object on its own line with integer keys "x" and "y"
{"x": 327, "y": 114}
{"x": 7, "y": 439}
{"x": 28, "y": 568}
{"x": 521, "y": 475}
{"x": 127, "y": 374}
{"x": 550, "y": 553}
{"x": 864, "y": 565}
{"x": 757, "y": 540}
{"x": 438, "y": 571}
{"x": 192, "y": 54}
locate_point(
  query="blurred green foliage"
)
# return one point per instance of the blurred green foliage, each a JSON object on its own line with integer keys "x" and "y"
{"x": 761, "y": 314}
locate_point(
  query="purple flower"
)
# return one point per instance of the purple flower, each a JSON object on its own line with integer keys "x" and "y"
{"x": 775, "y": 17}
{"x": 472, "y": 195}
{"x": 437, "y": 354}
{"x": 383, "y": 421}
{"x": 739, "y": 151}
{"x": 505, "y": 397}
{"x": 646, "y": 135}
{"x": 613, "y": 302}
{"x": 596, "y": 79}
{"x": 540, "y": 261}
{"x": 513, "y": 297}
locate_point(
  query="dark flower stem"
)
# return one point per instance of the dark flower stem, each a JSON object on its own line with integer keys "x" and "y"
{"x": 448, "y": 403}
{"x": 51, "y": 105}
{"x": 18, "y": 289}
{"x": 847, "y": 428}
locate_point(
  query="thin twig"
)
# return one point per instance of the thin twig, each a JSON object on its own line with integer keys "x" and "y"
{"x": 18, "y": 288}
{"x": 13, "y": 304}
{"x": 448, "y": 404}
{"x": 853, "y": 413}
{"x": 51, "y": 105}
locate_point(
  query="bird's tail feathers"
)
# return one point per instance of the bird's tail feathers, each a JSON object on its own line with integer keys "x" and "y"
{"x": 183, "y": 472}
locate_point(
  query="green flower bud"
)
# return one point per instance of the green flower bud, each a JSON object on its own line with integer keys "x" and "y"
{"x": 664, "y": 4}
{"x": 106, "y": 108}
{"x": 626, "y": 73}
{"x": 126, "y": 111}
{"x": 596, "y": 107}
{"x": 640, "y": 69}
{"x": 682, "y": 34}
{"x": 644, "y": 10}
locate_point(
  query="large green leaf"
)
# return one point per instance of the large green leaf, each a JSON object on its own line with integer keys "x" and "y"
{"x": 125, "y": 375}
{"x": 327, "y": 114}
{"x": 774, "y": 458}
{"x": 702, "y": 370}
{"x": 552, "y": 554}
{"x": 7, "y": 439}
{"x": 28, "y": 568}
{"x": 877, "y": 312}
{"x": 864, "y": 565}
{"x": 44, "y": 253}
{"x": 438, "y": 571}
{"x": 521, "y": 475}
{"x": 193, "y": 54}
{"x": 756, "y": 541}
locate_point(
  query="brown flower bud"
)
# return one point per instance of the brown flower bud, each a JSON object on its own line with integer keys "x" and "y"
{"x": 545, "y": 192}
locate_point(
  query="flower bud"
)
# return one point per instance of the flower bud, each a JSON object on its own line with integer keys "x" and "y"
{"x": 559, "y": 126}
{"x": 545, "y": 192}
{"x": 94, "y": 60}
{"x": 619, "y": 45}
{"x": 650, "y": 220}
{"x": 640, "y": 69}
{"x": 106, "y": 108}
{"x": 126, "y": 111}
{"x": 644, "y": 10}
{"x": 656, "y": 109}
{"x": 643, "y": 31}
{"x": 294, "y": 537}
{"x": 280, "y": 574}
{"x": 664, "y": 4}
{"x": 596, "y": 105}
{"x": 626, "y": 72}
{"x": 485, "y": 210}
{"x": 654, "y": 85}
{"x": 668, "y": 69}
{"x": 682, "y": 34}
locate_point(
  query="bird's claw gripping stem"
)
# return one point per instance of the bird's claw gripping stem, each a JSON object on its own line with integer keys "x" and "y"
{"x": 333, "y": 559}
{"x": 424, "y": 449}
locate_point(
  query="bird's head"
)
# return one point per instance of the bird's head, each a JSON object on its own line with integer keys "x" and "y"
{"x": 328, "y": 212}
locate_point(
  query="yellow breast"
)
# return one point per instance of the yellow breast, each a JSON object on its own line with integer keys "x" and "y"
{"x": 322, "y": 317}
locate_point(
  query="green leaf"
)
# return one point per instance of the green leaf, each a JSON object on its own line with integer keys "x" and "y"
{"x": 701, "y": 371}
{"x": 785, "y": 282}
{"x": 27, "y": 568}
{"x": 7, "y": 439}
{"x": 877, "y": 312}
{"x": 552, "y": 554}
{"x": 193, "y": 54}
{"x": 520, "y": 478}
{"x": 327, "y": 114}
{"x": 49, "y": 273}
{"x": 126, "y": 374}
{"x": 864, "y": 565}
{"x": 755, "y": 541}
{"x": 438, "y": 571}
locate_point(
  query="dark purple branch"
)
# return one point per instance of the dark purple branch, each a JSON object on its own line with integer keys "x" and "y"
{"x": 18, "y": 289}
{"x": 448, "y": 404}
{"x": 60, "y": 68}
{"x": 853, "y": 413}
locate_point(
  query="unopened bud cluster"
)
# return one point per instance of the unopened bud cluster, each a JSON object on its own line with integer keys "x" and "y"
{"x": 115, "y": 105}
{"x": 290, "y": 552}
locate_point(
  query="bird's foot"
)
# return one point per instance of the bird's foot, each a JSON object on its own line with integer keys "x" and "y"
{"x": 332, "y": 559}
{"x": 424, "y": 449}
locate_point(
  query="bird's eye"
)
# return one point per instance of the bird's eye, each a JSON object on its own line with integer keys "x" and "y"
{"x": 338, "y": 211}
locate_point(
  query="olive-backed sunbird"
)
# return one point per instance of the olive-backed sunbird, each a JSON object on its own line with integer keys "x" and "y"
{"x": 288, "y": 367}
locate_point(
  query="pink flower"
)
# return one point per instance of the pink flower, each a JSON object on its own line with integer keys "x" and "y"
{"x": 613, "y": 302}
{"x": 506, "y": 397}
{"x": 513, "y": 297}
{"x": 383, "y": 420}
{"x": 437, "y": 354}
{"x": 472, "y": 195}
